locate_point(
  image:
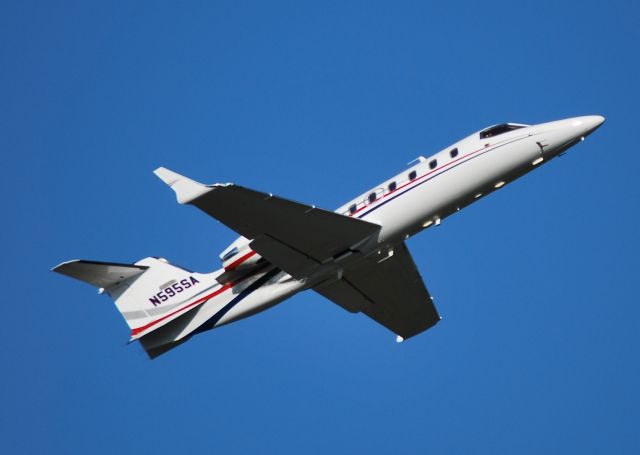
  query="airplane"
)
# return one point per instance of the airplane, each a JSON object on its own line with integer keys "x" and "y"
{"x": 356, "y": 256}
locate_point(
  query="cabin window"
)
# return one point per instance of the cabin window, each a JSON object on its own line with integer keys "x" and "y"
{"x": 453, "y": 153}
{"x": 413, "y": 175}
{"x": 372, "y": 197}
{"x": 433, "y": 164}
{"x": 392, "y": 186}
{"x": 499, "y": 129}
{"x": 352, "y": 209}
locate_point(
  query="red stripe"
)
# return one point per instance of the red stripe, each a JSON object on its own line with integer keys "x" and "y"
{"x": 219, "y": 291}
{"x": 420, "y": 178}
{"x": 138, "y": 330}
{"x": 239, "y": 261}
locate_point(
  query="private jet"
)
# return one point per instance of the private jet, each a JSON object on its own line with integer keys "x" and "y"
{"x": 355, "y": 256}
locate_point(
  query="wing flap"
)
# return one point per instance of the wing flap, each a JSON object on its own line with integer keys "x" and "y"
{"x": 296, "y": 263}
{"x": 391, "y": 292}
{"x": 344, "y": 294}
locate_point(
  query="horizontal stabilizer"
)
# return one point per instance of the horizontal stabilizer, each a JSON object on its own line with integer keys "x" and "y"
{"x": 99, "y": 274}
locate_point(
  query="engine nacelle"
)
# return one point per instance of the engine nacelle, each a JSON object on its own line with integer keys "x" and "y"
{"x": 239, "y": 256}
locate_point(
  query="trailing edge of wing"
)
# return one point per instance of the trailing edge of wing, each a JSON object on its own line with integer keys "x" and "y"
{"x": 390, "y": 291}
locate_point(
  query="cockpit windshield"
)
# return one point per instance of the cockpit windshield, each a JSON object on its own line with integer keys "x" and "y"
{"x": 500, "y": 129}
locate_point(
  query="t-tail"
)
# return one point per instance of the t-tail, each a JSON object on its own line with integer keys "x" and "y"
{"x": 159, "y": 301}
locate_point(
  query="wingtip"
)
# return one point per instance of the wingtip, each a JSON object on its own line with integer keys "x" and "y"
{"x": 167, "y": 175}
{"x": 62, "y": 265}
{"x": 186, "y": 189}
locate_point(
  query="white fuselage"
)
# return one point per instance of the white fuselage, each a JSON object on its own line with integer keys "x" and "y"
{"x": 418, "y": 198}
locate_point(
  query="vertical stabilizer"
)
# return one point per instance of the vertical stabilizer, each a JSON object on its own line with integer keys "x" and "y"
{"x": 149, "y": 294}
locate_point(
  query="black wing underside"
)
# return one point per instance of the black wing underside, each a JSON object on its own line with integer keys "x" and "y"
{"x": 299, "y": 238}
{"x": 391, "y": 292}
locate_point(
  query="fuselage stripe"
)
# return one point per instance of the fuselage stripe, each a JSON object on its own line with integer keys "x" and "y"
{"x": 411, "y": 185}
{"x": 211, "y": 322}
{"x": 416, "y": 182}
{"x": 139, "y": 330}
{"x": 239, "y": 261}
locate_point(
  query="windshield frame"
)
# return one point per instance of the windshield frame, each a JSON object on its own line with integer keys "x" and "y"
{"x": 500, "y": 128}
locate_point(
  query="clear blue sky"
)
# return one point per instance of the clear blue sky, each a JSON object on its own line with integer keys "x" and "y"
{"x": 317, "y": 101}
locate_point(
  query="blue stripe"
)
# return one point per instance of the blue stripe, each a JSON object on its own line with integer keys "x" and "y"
{"x": 434, "y": 176}
{"x": 212, "y": 321}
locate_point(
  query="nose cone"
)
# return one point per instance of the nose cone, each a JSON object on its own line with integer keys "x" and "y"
{"x": 560, "y": 135}
{"x": 585, "y": 125}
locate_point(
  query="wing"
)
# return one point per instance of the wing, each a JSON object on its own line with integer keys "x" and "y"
{"x": 390, "y": 291}
{"x": 295, "y": 237}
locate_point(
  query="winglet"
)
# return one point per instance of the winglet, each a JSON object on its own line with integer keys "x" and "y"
{"x": 186, "y": 189}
